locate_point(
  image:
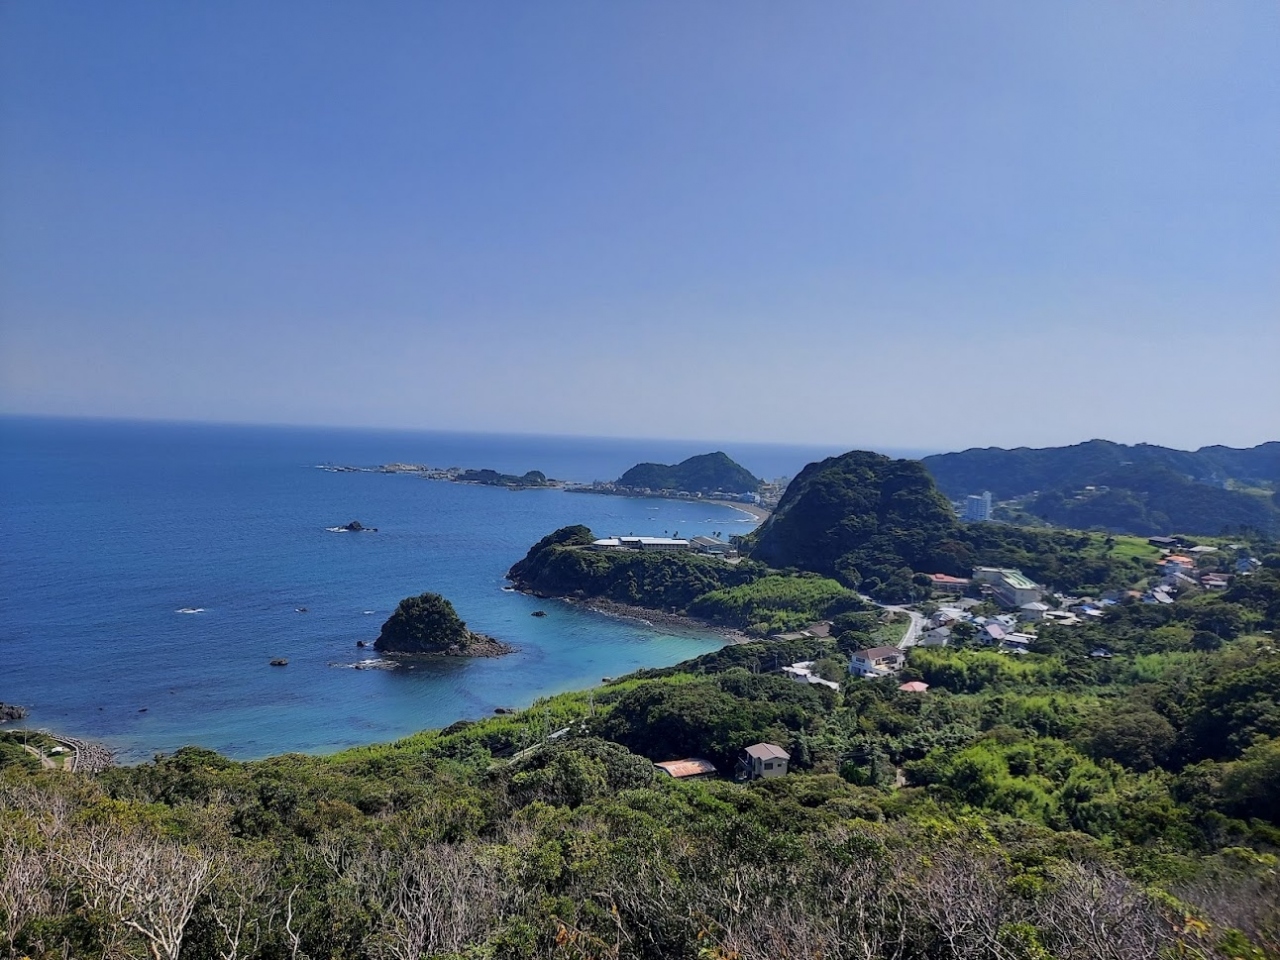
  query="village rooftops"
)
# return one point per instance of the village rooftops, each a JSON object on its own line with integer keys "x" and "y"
{"x": 682, "y": 769}
{"x": 766, "y": 751}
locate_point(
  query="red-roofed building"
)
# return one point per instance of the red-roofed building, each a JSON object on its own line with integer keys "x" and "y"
{"x": 945, "y": 584}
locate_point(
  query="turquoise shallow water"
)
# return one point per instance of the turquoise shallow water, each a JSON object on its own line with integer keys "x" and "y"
{"x": 109, "y": 529}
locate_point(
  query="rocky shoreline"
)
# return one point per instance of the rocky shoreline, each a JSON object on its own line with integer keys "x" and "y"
{"x": 478, "y": 645}
{"x": 651, "y": 617}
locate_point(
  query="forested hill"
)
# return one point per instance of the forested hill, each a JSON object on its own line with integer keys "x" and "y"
{"x": 880, "y": 525}
{"x": 1148, "y": 489}
{"x": 857, "y": 515}
{"x": 705, "y": 473}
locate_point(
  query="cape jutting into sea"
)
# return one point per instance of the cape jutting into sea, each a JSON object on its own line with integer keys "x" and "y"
{"x": 149, "y": 572}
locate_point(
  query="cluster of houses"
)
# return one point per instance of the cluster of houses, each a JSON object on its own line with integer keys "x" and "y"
{"x": 1182, "y": 568}
{"x": 1009, "y": 631}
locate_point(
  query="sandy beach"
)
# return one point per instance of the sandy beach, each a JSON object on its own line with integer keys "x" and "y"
{"x": 760, "y": 513}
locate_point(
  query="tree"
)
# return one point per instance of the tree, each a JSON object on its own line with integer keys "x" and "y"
{"x": 146, "y": 885}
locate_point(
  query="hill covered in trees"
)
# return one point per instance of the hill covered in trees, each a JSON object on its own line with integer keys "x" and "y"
{"x": 742, "y": 596}
{"x": 879, "y": 525}
{"x": 705, "y": 473}
{"x": 1143, "y": 489}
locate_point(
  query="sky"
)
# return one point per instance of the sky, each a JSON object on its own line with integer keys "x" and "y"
{"x": 925, "y": 225}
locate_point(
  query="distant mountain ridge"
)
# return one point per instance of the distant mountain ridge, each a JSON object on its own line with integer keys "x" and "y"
{"x": 1149, "y": 489}
{"x": 705, "y": 473}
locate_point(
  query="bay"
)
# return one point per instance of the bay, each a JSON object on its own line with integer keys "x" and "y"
{"x": 108, "y": 529}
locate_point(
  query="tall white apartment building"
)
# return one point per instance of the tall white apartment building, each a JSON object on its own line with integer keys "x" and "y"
{"x": 978, "y": 506}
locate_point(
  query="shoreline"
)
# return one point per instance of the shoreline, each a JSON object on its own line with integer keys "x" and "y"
{"x": 652, "y": 617}
{"x": 758, "y": 513}
{"x": 752, "y": 510}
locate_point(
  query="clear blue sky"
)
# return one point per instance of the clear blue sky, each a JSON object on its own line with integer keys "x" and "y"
{"x": 874, "y": 224}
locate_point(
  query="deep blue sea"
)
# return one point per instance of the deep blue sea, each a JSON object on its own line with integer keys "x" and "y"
{"x": 108, "y": 529}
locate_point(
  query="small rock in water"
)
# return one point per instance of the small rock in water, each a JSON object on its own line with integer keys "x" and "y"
{"x": 503, "y": 710}
{"x": 280, "y": 662}
{"x": 300, "y": 609}
{"x": 538, "y": 613}
{"x": 361, "y": 643}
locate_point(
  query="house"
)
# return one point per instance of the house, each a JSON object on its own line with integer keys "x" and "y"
{"x": 991, "y": 633}
{"x": 1033, "y": 611}
{"x": 694, "y": 768}
{"x": 941, "y": 583}
{"x": 1214, "y": 581}
{"x": 762, "y": 761}
{"x": 937, "y": 637}
{"x": 877, "y": 661}
{"x": 1202, "y": 550}
{"x": 1247, "y": 564}
{"x": 1101, "y": 653}
{"x": 1166, "y": 542}
{"x": 946, "y": 617}
{"x": 1176, "y": 563}
{"x": 802, "y": 672}
{"x": 914, "y": 686}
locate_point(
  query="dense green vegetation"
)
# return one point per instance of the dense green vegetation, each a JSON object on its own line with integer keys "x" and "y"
{"x": 1045, "y": 806}
{"x": 706, "y": 473}
{"x": 774, "y": 603}
{"x": 1141, "y": 489}
{"x": 423, "y": 624}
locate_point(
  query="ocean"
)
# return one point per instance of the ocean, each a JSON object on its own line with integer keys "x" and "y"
{"x": 109, "y": 531}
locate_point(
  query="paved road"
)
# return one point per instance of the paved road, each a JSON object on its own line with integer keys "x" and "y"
{"x": 914, "y": 629}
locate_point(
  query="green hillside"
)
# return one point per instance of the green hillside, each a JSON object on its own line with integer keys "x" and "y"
{"x": 879, "y": 524}
{"x": 1148, "y": 489}
{"x": 705, "y": 473}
